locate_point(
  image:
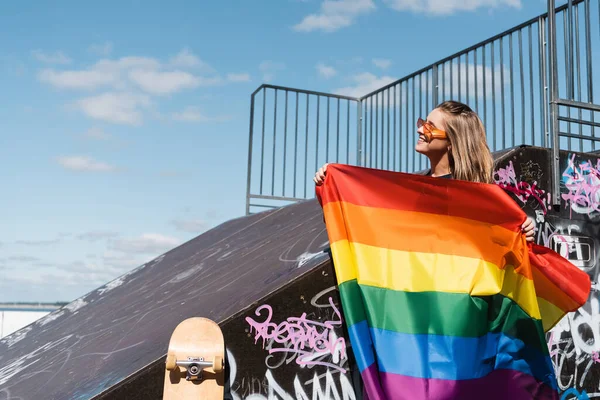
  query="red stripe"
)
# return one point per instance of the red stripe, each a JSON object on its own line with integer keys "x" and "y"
{"x": 572, "y": 283}
{"x": 377, "y": 188}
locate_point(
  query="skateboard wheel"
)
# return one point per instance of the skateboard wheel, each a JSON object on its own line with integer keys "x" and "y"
{"x": 218, "y": 364}
{"x": 171, "y": 362}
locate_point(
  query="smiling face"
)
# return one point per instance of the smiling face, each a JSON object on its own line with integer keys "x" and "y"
{"x": 436, "y": 147}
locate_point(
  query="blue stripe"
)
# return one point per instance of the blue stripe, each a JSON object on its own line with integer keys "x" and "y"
{"x": 362, "y": 345}
{"x": 446, "y": 357}
{"x": 452, "y": 357}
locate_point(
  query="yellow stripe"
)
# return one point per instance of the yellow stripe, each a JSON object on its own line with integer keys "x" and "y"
{"x": 551, "y": 314}
{"x": 426, "y": 272}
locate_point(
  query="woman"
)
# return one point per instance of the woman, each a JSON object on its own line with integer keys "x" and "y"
{"x": 453, "y": 138}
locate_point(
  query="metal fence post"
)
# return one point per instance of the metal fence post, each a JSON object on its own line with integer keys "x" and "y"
{"x": 250, "y": 153}
{"x": 553, "y": 96}
{"x": 434, "y": 86}
{"x": 359, "y": 118}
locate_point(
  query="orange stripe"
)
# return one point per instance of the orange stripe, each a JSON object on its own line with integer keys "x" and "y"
{"x": 427, "y": 233}
{"x": 409, "y": 192}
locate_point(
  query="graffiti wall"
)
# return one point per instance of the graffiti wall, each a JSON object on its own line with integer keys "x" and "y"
{"x": 574, "y": 232}
{"x": 295, "y": 346}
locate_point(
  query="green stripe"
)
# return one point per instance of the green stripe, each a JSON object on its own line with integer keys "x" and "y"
{"x": 437, "y": 313}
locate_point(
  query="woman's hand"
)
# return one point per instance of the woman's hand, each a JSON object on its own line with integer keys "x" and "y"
{"x": 528, "y": 228}
{"x": 320, "y": 175}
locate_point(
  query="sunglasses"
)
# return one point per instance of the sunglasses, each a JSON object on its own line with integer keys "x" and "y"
{"x": 430, "y": 131}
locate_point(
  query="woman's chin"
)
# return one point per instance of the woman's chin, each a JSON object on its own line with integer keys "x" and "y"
{"x": 421, "y": 147}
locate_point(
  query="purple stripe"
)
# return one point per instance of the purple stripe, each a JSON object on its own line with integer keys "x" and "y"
{"x": 372, "y": 387}
{"x": 498, "y": 385}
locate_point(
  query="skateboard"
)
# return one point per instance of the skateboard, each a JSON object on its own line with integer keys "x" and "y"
{"x": 195, "y": 361}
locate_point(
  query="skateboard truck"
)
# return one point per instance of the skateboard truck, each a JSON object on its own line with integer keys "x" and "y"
{"x": 195, "y": 365}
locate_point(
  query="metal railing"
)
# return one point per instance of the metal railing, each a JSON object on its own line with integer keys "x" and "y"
{"x": 513, "y": 80}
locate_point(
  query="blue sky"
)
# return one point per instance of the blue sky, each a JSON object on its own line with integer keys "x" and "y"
{"x": 124, "y": 125}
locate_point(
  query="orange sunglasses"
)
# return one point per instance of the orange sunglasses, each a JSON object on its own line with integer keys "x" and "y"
{"x": 429, "y": 131}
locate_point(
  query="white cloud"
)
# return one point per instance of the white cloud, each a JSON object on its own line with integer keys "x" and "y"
{"x": 269, "y": 69}
{"x": 382, "y": 63}
{"x": 84, "y": 79}
{"x": 161, "y": 83}
{"x": 115, "y": 107}
{"x": 364, "y": 84}
{"x": 186, "y": 59}
{"x": 83, "y": 163}
{"x": 335, "y": 14}
{"x": 194, "y": 114}
{"x": 326, "y": 71}
{"x": 51, "y": 58}
{"x": 146, "y": 243}
{"x": 447, "y": 7}
{"x": 96, "y": 134}
{"x": 238, "y": 77}
{"x": 190, "y": 225}
{"x": 103, "y": 49}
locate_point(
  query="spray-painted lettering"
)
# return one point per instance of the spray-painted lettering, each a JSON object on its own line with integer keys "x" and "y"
{"x": 312, "y": 341}
{"x": 506, "y": 178}
{"x": 583, "y": 184}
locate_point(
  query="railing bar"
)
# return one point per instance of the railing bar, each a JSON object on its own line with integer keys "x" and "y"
{"x": 266, "y": 197}
{"x": 371, "y": 132}
{"x": 337, "y": 136}
{"x": 262, "y": 147}
{"x": 317, "y": 140}
{"x": 307, "y": 92}
{"x": 512, "y": 89}
{"x": 475, "y": 63}
{"x": 348, "y": 135}
{"x": 571, "y": 71}
{"x": 394, "y": 134}
{"x": 377, "y": 131}
{"x": 531, "y": 86}
{"x": 484, "y": 89}
{"x": 467, "y": 79}
{"x": 576, "y": 136}
{"x": 296, "y": 144}
{"x": 493, "y": 95}
{"x": 543, "y": 82}
{"x": 306, "y": 145}
{"x": 567, "y": 73}
{"x": 502, "y": 93}
{"x": 588, "y": 40}
{"x": 406, "y": 120}
{"x": 451, "y": 78}
{"x": 414, "y": 164}
{"x": 388, "y": 129}
{"x": 274, "y": 145}
{"x": 420, "y": 92}
{"x": 579, "y": 121}
{"x": 250, "y": 145}
{"x": 459, "y": 80}
{"x": 327, "y": 134}
{"x": 285, "y": 140}
{"x": 578, "y": 57}
{"x": 522, "y": 75}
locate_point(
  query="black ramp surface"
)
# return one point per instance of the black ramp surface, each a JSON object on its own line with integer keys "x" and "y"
{"x": 115, "y": 331}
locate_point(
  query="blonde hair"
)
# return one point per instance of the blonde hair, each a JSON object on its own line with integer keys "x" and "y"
{"x": 470, "y": 157}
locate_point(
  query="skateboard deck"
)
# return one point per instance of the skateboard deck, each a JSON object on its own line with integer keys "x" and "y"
{"x": 194, "y": 368}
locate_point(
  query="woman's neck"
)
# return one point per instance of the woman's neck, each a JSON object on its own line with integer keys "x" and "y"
{"x": 440, "y": 167}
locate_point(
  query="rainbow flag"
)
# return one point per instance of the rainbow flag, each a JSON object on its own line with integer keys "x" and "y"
{"x": 442, "y": 295}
